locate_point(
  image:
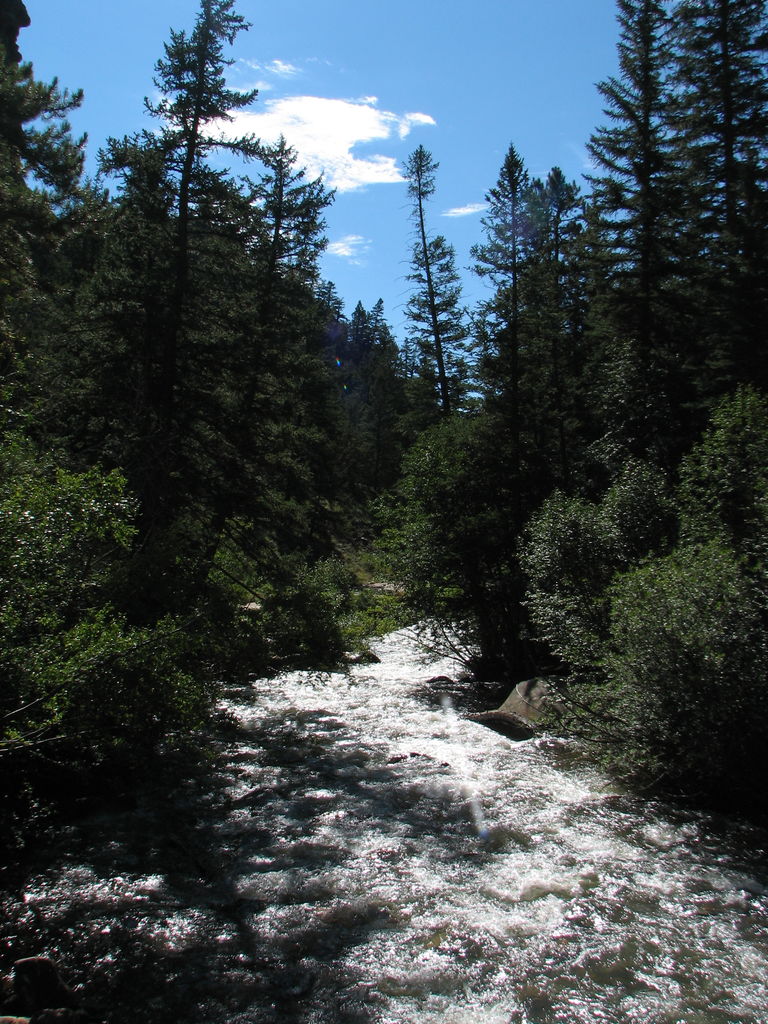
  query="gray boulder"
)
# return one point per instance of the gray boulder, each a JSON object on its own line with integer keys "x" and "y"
{"x": 523, "y": 708}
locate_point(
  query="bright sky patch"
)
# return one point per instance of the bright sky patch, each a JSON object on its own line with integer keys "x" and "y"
{"x": 465, "y": 211}
{"x": 326, "y": 132}
{"x": 352, "y": 248}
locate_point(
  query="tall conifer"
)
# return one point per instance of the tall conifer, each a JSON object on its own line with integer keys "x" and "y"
{"x": 636, "y": 226}
{"x": 437, "y": 318}
{"x": 720, "y": 125}
{"x": 40, "y": 168}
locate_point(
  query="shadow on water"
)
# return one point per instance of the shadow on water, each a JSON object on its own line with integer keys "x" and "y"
{"x": 222, "y": 897}
{"x": 270, "y": 882}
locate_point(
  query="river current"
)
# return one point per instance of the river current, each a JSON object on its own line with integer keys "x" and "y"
{"x": 361, "y": 853}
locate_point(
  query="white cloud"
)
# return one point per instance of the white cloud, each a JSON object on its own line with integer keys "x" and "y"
{"x": 410, "y": 120}
{"x": 352, "y": 248}
{"x": 282, "y": 68}
{"x": 273, "y": 67}
{"x": 256, "y": 83}
{"x": 325, "y": 133}
{"x": 465, "y": 211}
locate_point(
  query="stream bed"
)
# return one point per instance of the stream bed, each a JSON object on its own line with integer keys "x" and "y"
{"x": 360, "y": 853}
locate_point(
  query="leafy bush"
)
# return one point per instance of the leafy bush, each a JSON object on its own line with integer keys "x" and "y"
{"x": 574, "y": 548}
{"x": 373, "y": 613}
{"x": 74, "y": 672}
{"x": 667, "y": 650}
{"x": 301, "y": 618}
{"x": 723, "y": 491}
{"x": 569, "y": 557}
{"x": 449, "y": 543}
{"x": 688, "y": 670}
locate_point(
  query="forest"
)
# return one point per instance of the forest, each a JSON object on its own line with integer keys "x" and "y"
{"x": 570, "y": 480}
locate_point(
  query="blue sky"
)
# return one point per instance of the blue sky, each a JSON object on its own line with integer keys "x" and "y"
{"x": 355, "y": 86}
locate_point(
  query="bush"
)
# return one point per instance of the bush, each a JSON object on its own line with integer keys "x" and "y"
{"x": 573, "y": 549}
{"x": 688, "y": 670}
{"x": 302, "y": 617}
{"x": 723, "y": 491}
{"x": 449, "y": 543}
{"x": 74, "y": 673}
{"x": 667, "y": 650}
{"x": 101, "y": 686}
{"x": 373, "y": 613}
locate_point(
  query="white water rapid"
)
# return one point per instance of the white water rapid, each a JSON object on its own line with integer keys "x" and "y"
{"x": 365, "y": 855}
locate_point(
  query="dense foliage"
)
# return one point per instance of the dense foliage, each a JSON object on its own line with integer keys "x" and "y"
{"x": 169, "y": 484}
{"x": 605, "y": 499}
{"x": 571, "y": 480}
{"x": 657, "y": 603}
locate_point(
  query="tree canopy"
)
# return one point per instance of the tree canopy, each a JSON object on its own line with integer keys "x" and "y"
{"x": 203, "y": 454}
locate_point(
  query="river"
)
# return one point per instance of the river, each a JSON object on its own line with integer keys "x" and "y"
{"x": 360, "y": 853}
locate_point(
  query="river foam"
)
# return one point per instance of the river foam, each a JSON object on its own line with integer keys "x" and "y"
{"x": 366, "y": 854}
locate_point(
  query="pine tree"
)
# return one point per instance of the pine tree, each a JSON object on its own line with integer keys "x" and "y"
{"x": 530, "y": 328}
{"x": 289, "y": 237}
{"x": 194, "y": 98}
{"x": 552, "y": 326}
{"x": 635, "y": 215}
{"x": 292, "y": 224}
{"x": 374, "y": 397}
{"x": 159, "y": 295}
{"x": 287, "y": 412}
{"x": 501, "y": 260}
{"x": 530, "y": 332}
{"x": 720, "y": 124}
{"x": 40, "y": 168}
{"x": 214, "y": 407}
{"x": 437, "y": 318}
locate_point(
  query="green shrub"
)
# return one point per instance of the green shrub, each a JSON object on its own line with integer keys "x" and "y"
{"x": 373, "y": 613}
{"x": 573, "y": 549}
{"x": 688, "y": 670}
{"x": 667, "y": 650}
{"x": 723, "y": 492}
{"x": 302, "y": 617}
{"x": 74, "y": 672}
{"x": 569, "y": 557}
{"x": 102, "y": 686}
{"x": 449, "y": 542}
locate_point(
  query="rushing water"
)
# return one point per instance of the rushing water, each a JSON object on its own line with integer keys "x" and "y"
{"x": 362, "y": 853}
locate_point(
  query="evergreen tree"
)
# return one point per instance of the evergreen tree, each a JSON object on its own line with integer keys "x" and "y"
{"x": 471, "y": 482}
{"x": 386, "y": 401}
{"x": 373, "y": 393}
{"x": 328, "y": 296}
{"x": 292, "y": 226}
{"x": 552, "y": 329}
{"x": 500, "y": 259}
{"x": 288, "y": 416}
{"x": 530, "y": 329}
{"x": 636, "y": 211}
{"x": 436, "y": 316}
{"x": 157, "y": 307}
{"x": 194, "y": 97}
{"x": 218, "y": 411}
{"x": 79, "y": 681}
{"x": 720, "y": 124}
{"x": 40, "y": 168}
